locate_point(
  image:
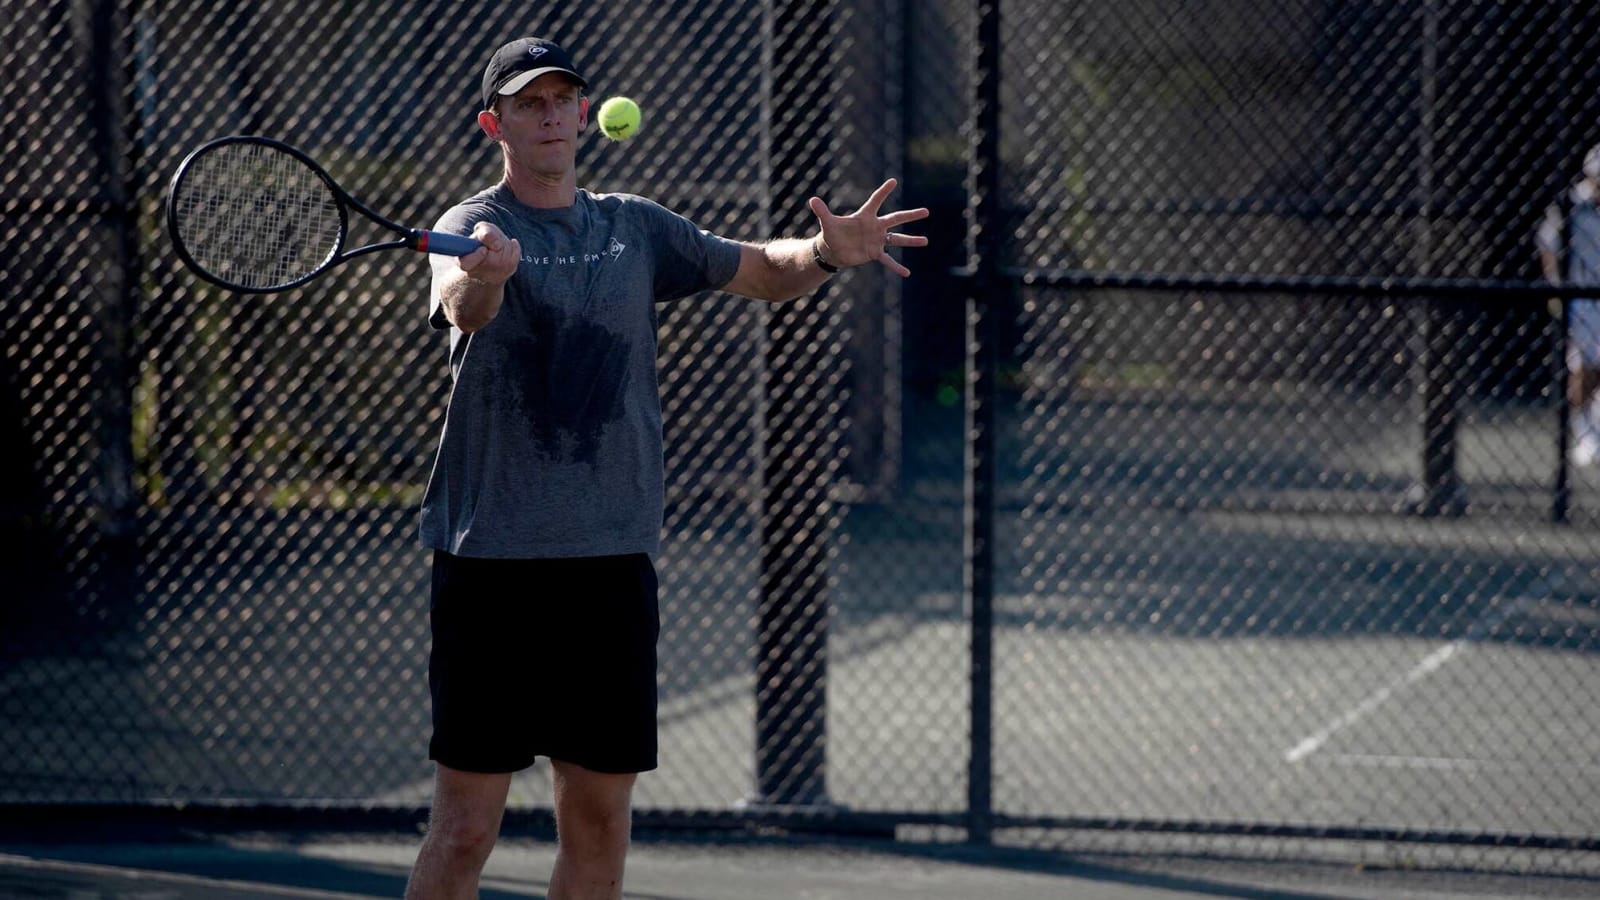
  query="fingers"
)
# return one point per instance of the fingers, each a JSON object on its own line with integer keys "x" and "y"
{"x": 893, "y": 265}
{"x": 497, "y": 259}
{"x": 878, "y": 196}
{"x": 504, "y": 261}
{"x": 493, "y": 239}
{"x": 480, "y": 233}
{"x": 499, "y": 255}
{"x": 865, "y": 236}
{"x": 905, "y": 240}
{"x": 904, "y": 216}
{"x": 900, "y": 240}
{"x": 490, "y": 236}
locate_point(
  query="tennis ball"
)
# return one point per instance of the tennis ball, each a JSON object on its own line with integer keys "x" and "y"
{"x": 619, "y": 118}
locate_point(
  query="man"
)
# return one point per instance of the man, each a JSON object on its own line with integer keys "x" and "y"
{"x": 545, "y": 502}
{"x": 1569, "y": 251}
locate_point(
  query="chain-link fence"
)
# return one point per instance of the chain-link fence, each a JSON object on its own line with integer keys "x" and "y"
{"x": 1209, "y": 476}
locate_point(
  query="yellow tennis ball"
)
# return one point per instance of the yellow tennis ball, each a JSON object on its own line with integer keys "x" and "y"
{"x": 619, "y": 118}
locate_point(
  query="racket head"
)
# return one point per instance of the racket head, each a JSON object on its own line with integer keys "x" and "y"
{"x": 255, "y": 215}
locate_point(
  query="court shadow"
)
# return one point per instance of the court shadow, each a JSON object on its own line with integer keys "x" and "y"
{"x": 217, "y": 870}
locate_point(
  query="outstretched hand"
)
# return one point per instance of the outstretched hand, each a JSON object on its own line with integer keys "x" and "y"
{"x": 864, "y": 236}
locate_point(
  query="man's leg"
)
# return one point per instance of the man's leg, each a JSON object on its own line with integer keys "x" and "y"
{"x": 1583, "y": 381}
{"x": 592, "y": 828}
{"x": 1584, "y": 416}
{"x": 462, "y": 828}
{"x": 1588, "y": 387}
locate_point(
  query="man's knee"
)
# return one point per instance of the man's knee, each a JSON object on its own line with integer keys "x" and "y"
{"x": 463, "y": 840}
{"x": 467, "y": 808}
{"x": 592, "y": 809}
{"x": 594, "y": 828}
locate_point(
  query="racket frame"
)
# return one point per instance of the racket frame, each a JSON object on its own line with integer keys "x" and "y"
{"x": 410, "y": 238}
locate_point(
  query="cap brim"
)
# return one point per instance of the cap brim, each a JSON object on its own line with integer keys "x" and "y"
{"x": 523, "y": 78}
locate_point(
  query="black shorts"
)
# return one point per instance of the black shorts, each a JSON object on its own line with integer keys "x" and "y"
{"x": 543, "y": 657}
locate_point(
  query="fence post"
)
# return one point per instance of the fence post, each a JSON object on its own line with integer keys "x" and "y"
{"x": 116, "y": 143}
{"x": 793, "y": 514}
{"x": 1440, "y": 363}
{"x": 982, "y": 368}
{"x": 1561, "y": 490}
{"x": 1438, "y": 323}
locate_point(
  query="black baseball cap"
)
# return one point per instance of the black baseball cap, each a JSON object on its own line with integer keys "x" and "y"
{"x": 521, "y": 61}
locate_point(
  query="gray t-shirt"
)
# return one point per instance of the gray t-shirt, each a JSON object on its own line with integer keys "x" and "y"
{"x": 552, "y": 439}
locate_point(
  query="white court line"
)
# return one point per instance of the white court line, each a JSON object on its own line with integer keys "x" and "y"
{"x": 1449, "y": 763}
{"x": 1429, "y": 664}
{"x": 1421, "y": 670}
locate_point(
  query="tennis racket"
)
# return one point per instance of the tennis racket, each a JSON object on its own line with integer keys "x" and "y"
{"x": 257, "y": 215}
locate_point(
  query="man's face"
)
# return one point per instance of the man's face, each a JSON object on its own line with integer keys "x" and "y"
{"x": 539, "y": 125}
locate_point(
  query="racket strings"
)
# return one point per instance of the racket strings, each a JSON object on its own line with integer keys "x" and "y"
{"x": 257, "y": 216}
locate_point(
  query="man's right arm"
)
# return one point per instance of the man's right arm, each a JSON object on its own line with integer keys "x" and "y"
{"x": 1551, "y": 264}
{"x": 1548, "y": 240}
{"x": 470, "y": 292}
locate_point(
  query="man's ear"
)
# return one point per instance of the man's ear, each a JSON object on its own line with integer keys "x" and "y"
{"x": 583, "y": 113}
{"x": 490, "y": 123}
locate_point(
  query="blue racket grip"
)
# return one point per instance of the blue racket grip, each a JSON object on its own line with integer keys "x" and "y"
{"x": 444, "y": 243}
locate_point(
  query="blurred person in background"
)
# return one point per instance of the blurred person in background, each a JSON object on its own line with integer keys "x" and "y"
{"x": 1569, "y": 252}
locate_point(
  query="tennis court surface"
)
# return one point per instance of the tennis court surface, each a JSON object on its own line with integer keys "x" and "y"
{"x": 323, "y": 867}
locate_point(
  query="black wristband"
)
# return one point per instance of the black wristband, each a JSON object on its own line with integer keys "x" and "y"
{"x": 816, "y": 254}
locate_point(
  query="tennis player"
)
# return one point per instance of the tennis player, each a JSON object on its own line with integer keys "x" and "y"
{"x": 544, "y": 507}
{"x": 1569, "y": 250}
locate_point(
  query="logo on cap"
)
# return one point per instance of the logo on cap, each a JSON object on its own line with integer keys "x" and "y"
{"x": 520, "y": 61}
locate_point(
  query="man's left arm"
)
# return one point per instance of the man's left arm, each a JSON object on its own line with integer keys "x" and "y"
{"x": 791, "y": 267}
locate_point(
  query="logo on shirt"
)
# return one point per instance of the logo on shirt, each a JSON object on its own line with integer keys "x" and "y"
{"x": 613, "y": 249}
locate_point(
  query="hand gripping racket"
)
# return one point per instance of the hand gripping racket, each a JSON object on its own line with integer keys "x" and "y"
{"x": 257, "y": 215}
